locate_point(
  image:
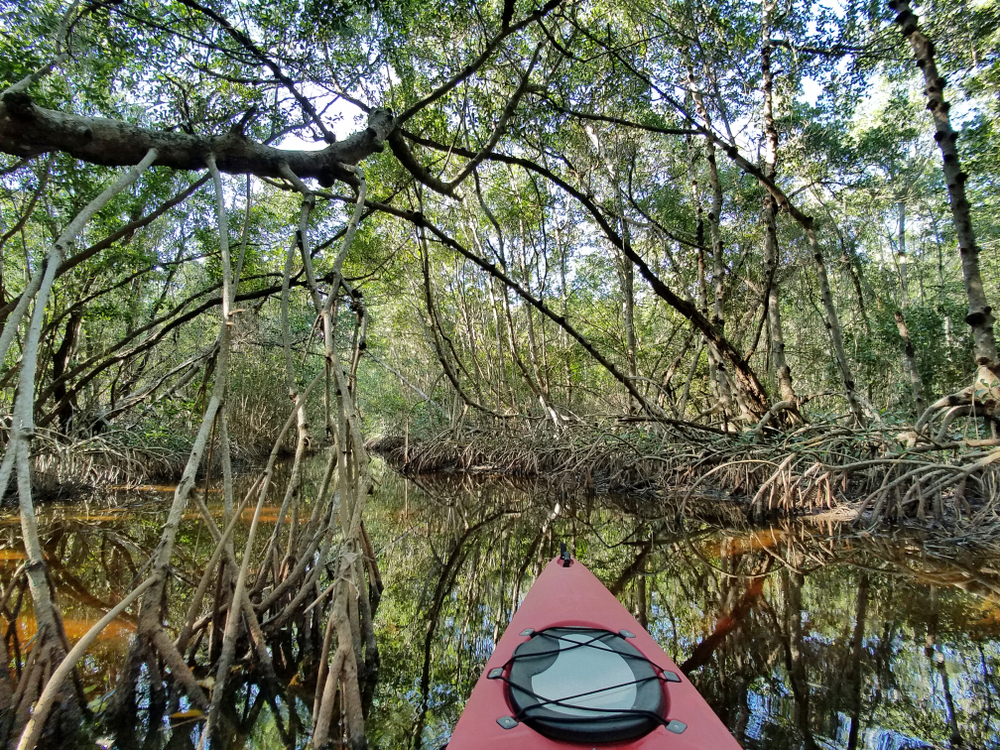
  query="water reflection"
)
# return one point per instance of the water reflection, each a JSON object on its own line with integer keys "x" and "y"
{"x": 800, "y": 635}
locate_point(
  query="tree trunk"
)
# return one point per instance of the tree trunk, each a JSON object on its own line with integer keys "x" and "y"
{"x": 832, "y": 322}
{"x": 776, "y": 337}
{"x": 718, "y": 367}
{"x": 627, "y": 276}
{"x": 702, "y": 272}
{"x": 624, "y": 266}
{"x": 904, "y": 286}
{"x": 980, "y": 316}
{"x": 60, "y": 362}
{"x": 910, "y": 364}
{"x": 909, "y": 354}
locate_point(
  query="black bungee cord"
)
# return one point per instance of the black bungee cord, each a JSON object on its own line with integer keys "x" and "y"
{"x": 602, "y": 714}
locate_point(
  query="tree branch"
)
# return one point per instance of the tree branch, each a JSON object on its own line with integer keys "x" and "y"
{"x": 27, "y": 130}
{"x": 476, "y": 64}
{"x": 247, "y": 43}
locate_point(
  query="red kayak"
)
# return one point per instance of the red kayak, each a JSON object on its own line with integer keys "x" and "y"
{"x": 575, "y": 670}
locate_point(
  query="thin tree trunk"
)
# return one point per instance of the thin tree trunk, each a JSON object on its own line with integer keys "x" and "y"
{"x": 60, "y": 362}
{"x": 718, "y": 369}
{"x": 776, "y": 337}
{"x": 702, "y": 281}
{"x": 909, "y": 354}
{"x": 910, "y": 363}
{"x": 624, "y": 266}
{"x": 627, "y": 278}
{"x": 832, "y": 322}
{"x": 682, "y": 406}
{"x": 904, "y": 286}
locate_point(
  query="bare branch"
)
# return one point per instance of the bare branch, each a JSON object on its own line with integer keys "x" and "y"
{"x": 491, "y": 46}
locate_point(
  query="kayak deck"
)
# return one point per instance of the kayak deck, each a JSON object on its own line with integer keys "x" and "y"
{"x": 570, "y": 617}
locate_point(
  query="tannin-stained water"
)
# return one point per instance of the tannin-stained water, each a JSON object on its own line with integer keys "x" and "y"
{"x": 800, "y": 635}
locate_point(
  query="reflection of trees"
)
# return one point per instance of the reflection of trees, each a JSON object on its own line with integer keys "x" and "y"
{"x": 795, "y": 661}
{"x": 853, "y": 678}
{"x": 91, "y": 567}
{"x": 449, "y": 568}
{"x": 93, "y": 559}
{"x": 937, "y": 659}
{"x": 825, "y": 652}
{"x": 798, "y": 637}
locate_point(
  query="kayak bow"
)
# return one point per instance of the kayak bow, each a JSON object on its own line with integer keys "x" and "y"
{"x": 575, "y": 669}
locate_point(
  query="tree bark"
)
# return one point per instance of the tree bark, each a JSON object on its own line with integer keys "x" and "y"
{"x": 980, "y": 317}
{"x": 783, "y": 373}
{"x": 28, "y": 130}
{"x": 909, "y": 354}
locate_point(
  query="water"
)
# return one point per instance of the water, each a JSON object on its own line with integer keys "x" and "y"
{"x": 800, "y": 635}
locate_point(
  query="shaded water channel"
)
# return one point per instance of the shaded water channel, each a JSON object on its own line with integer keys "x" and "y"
{"x": 800, "y": 635}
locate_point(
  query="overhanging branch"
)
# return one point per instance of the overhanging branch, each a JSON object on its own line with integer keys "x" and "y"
{"x": 27, "y": 130}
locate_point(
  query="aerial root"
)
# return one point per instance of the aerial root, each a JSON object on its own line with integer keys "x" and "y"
{"x": 981, "y": 399}
{"x": 814, "y": 469}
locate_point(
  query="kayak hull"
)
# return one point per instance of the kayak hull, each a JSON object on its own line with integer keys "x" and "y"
{"x": 571, "y": 596}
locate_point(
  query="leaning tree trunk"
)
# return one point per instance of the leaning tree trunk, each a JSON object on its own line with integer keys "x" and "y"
{"x": 832, "y": 321}
{"x": 980, "y": 316}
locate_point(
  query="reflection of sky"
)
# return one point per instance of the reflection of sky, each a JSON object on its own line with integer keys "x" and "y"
{"x": 902, "y": 698}
{"x": 885, "y": 739}
{"x": 920, "y": 693}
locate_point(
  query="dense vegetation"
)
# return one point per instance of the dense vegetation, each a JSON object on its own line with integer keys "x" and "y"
{"x": 749, "y": 242}
{"x": 559, "y": 225}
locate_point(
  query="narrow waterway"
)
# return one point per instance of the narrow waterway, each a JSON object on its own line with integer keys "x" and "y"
{"x": 801, "y": 635}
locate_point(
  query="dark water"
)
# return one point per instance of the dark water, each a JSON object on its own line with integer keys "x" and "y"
{"x": 799, "y": 635}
